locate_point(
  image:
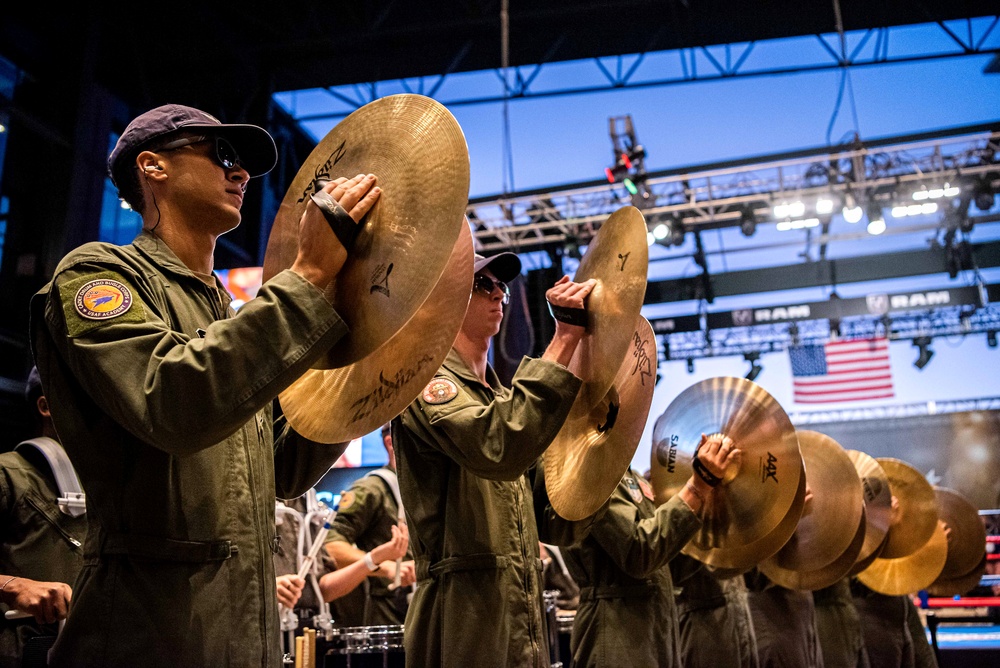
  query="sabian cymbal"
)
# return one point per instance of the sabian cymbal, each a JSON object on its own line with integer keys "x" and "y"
{"x": 592, "y": 451}
{"x": 755, "y": 496}
{"x": 829, "y": 522}
{"x": 417, "y": 151}
{"x": 959, "y": 586}
{"x": 821, "y": 577}
{"x": 966, "y": 532}
{"x": 909, "y": 574}
{"x": 731, "y": 561}
{"x": 878, "y": 504}
{"x": 916, "y": 515}
{"x": 618, "y": 259}
{"x": 337, "y": 405}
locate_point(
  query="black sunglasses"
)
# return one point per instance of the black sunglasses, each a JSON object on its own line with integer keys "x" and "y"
{"x": 225, "y": 154}
{"x": 485, "y": 284}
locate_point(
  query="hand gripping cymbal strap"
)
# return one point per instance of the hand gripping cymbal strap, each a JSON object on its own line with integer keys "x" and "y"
{"x": 569, "y": 315}
{"x": 711, "y": 479}
{"x": 337, "y": 217}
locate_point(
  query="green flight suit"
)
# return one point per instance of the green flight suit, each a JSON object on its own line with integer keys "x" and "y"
{"x": 627, "y": 615}
{"x": 839, "y": 627}
{"x": 365, "y": 518}
{"x": 39, "y": 542}
{"x": 785, "y": 622}
{"x": 713, "y": 616}
{"x": 162, "y": 397}
{"x": 461, "y": 465}
{"x": 893, "y": 633}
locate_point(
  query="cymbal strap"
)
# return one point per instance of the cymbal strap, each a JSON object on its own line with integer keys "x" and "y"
{"x": 710, "y": 478}
{"x": 568, "y": 314}
{"x": 345, "y": 227}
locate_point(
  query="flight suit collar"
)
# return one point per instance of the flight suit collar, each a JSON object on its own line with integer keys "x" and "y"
{"x": 454, "y": 363}
{"x": 164, "y": 257}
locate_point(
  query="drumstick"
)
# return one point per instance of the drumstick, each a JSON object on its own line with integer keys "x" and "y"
{"x": 307, "y": 563}
{"x": 399, "y": 565}
{"x": 17, "y": 614}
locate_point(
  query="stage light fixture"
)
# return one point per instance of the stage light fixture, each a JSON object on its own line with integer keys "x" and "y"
{"x": 991, "y": 338}
{"x": 690, "y": 362}
{"x": 676, "y": 232}
{"x": 748, "y": 222}
{"x": 876, "y": 219}
{"x": 755, "y": 367}
{"x": 983, "y": 195}
{"x": 922, "y": 344}
{"x": 824, "y": 205}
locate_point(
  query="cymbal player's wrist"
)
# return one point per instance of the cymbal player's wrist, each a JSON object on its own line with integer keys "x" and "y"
{"x": 700, "y": 486}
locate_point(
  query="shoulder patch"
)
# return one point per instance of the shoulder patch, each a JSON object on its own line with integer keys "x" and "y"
{"x": 440, "y": 391}
{"x": 346, "y": 500}
{"x": 90, "y": 301}
{"x": 647, "y": 489}
{"x": 633, "y": 490}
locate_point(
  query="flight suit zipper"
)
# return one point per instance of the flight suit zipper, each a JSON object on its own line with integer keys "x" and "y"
{"x": 256, "y": 520}
{"x": 48, "y": 518}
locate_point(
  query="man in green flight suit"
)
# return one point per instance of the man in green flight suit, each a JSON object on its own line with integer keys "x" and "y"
{"x": 366, "y": 514}
{"x": 627, "y": 615}
{"x": 463, "y": 448}
{"x": 162, "y": 395}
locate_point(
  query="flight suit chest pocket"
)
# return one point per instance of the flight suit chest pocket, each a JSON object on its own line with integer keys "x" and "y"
{"x": 50, "y": 515}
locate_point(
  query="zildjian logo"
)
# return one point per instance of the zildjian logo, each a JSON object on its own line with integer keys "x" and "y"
{"x": 623, "y": 258}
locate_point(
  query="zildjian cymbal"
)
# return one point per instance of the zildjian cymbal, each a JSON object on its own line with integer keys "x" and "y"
{"x": 593, "y": 450}
{"x": 822, "y": 577}
{"x": 878, "y": 505}
{"x": 417, "y": 151}
{"x": 337, "y": 405}
{"x": 618, "y": 259}
{"x": 731, "y": 561}
{"x": 966, "y": 533}
{"x": 829, "y": 522}
{"x": 959, "y": 586}
{"x": 909, "y": 574}
{"x": 916, "y": 516}
{"x": 755, "y": 496}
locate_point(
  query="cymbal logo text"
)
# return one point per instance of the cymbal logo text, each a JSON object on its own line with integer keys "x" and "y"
{"x": 323, "y": 173}
{"x": 643, "y": 363}
{"x": 670, "y": 461}
{"x": 769, "y": 468}
{"x": 386, "y": 390}
{"x": 623, "y": 258}
{"x": 380, "y": 279}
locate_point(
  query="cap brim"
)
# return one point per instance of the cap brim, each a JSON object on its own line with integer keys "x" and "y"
{"x": 505, "y": 266}
{"x": 253, "y": 144}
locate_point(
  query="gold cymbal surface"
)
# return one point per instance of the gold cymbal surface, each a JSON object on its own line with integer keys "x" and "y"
{"x": 341, "y": 404}
{"x": 417, "y": 151}
{"x": 961, "y": 585}
{"x": 966, "y": 532}
{"x": 913, "y": 522}
{"x": 823, "y": 576}
{"x": 909, "y": 574}
{"x": 755, "y": 496}
{"x": 877, "y": 499}
{"x": 593, "y": 450}
{"x": 829, "y": 522}
{"x": 618, "y": 259}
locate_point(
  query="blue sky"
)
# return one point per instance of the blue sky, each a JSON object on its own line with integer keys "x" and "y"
{"x": 564, "y": 139}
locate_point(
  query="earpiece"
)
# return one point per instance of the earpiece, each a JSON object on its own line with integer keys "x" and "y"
{"x": 148, "y": 168}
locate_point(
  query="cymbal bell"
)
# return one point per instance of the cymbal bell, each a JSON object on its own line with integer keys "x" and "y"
{"x": 909, "y": 574}
{"x": 821, "y": 577}
{"x": 407, "y": 238}
{"x": 755, "y": 496}
{"x": 877, "y": 501}
{"x": 913, "y": 523}
{"x": 727, "y": 562}
{"x": 966, "y": 532}
{"x": 341, "y": 404}
{"x": 829, "y": 522}
{"x": 961, "y": 585}
{"x": 618, "y": 259}
{"x": 593, "y": 450}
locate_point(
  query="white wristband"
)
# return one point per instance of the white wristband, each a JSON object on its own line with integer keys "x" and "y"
{"x": 369, "y": 562}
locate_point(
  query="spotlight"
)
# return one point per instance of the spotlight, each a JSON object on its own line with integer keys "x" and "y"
{"x": 755, "y": 367}
{"x": 991, "y": 338}
{"x": 571, "y": 247}
{"x": 983, "y": 195}
{"x": 876, "y": 219}
{"x": 691, "y": 359}
{"x": 922, "y": 343}
{"x": 676, "y": 232}
{"x": 748, "y": 222}
{"x": 852, "y": 212}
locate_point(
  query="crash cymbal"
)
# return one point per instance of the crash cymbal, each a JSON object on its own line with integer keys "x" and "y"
{"x": 909, "y": 574}
{"x": 878, "y": 504}
{"x": 593, "y": 450}
{"x": 337, "y": 405}
{"x": 821, "y": 577}
{"x": 417, "y": 151}
{"x": 618, "y": 259}
{"x": 755, "y": 496}
{"x": 915, "y": 517}
{"x": 829, "y": 522}
{"x": 959, "y": 586}
{"x": 731, "y": 561}
{"x": 966, "y": 532}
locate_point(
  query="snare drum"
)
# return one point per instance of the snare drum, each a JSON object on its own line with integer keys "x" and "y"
{"x": 366, "y": 647}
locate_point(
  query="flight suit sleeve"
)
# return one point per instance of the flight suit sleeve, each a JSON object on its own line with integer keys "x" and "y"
{"x": 552, "y": 528}
{"x": 359, "y": 507}
{"x": 300, "y": 463}
{"x": 501, "y": 439}
{"x": 639, "y": 547}
{"x": 176, "y": 390}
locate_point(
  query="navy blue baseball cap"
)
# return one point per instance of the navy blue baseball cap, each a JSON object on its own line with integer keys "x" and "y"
{"x": 505, "y": 266}
{"x": 252, "y": 143}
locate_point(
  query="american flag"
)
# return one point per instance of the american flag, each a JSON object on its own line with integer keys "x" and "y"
{"x": 841, "y": 371}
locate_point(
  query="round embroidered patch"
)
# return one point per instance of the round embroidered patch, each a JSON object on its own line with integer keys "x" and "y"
{"x": 440, "y": 391}
{"x": 647, "y": 490}
{"x": 102, "y": 299}
{"x": 346, "y": 499}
